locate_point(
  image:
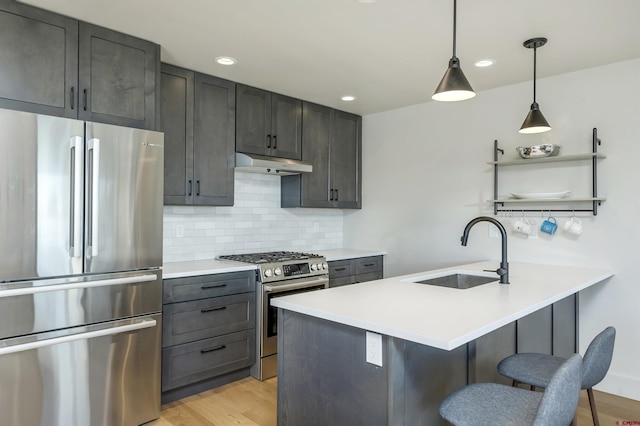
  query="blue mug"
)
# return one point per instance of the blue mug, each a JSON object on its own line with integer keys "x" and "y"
{"x": 549, "y": 226}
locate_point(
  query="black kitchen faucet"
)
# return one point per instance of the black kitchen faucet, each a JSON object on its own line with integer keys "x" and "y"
{"x": 503, "y": 270}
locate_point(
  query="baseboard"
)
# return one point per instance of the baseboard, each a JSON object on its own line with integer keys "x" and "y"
{"x": 616, "y": 384}
{"x": 205, "y": 385}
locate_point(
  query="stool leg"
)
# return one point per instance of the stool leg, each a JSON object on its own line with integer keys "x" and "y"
{"x": 594, "y": 411}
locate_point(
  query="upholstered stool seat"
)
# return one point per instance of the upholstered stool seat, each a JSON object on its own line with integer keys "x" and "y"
{"x": 484, "y": 404}
{"x": 538, "y": 369}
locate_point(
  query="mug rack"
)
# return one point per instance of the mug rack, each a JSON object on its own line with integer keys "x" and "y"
{"x": 594, "y": 200}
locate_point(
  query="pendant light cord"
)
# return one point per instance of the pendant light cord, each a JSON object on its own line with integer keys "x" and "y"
{"x": 534, "y": 74}
{"x": 454, "y": 26}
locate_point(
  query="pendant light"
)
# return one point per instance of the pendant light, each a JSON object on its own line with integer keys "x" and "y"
{"x": 454, "y": 86}
{"x": 535, "y": 121}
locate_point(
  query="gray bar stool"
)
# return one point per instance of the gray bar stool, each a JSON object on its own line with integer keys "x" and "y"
{"x": 537, "y": 369}
{"x": 484, "y": 404}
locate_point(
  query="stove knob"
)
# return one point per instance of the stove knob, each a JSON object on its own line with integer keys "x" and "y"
{"x": 314, "y": 267}
{"x": 325, "y": 265}
{"x": 268, "y": 273}
{"x": 277, "y": 271}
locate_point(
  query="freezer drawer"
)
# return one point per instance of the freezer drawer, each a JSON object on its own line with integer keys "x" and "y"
{"x": 106, "y": 374}
{"x": 41, "y": 305}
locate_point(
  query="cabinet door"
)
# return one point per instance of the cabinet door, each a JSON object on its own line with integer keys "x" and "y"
{"x": 38, "y": 60}
{"x": 213, "y": 147}
{"x": 177, "y": 92}
{"x": 286, "y": 127}
{"x": 316, "y": 140}
{"x": 253, "y": 120}
{"x": 346, "y": 171}
{"x": 118, "y": 77}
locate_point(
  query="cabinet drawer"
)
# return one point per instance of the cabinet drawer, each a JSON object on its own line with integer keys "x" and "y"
{"x": 368, "y": 264}
{"x": 337, "y": 282}
{"x": 192, "y": 362}
{"x": 371, "y": 276}
{"x": 340, "y": 268}
{"x": 200, "y": 319}
{"x": 204, "y": 286}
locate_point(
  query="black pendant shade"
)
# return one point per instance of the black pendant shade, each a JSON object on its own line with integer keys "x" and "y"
{"x": 535, "y": 121}
{"x": 454, "y": 86}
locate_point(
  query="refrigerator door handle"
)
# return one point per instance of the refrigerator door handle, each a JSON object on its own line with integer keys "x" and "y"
{"x": 93, "y": 146}
{"x": 144, "y": 323}
{"x": 75, "y": 210}
{"x": 21, "y": 291}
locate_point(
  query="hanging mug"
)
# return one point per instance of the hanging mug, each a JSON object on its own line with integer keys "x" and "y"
{"x": 573, "y": 226}
{"x": 522, "y": 226}
{"x": 549, "y": 225}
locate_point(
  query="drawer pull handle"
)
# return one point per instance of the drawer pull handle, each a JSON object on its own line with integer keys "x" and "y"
{"x": 340, "y": 269}
{"x": 219, "y": 348}
{"x": 204, "y": 311}
{"x": 369, "y": 264}
{"x": 207, "y": 287}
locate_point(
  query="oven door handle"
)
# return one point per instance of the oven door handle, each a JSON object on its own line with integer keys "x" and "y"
{"x": 295, "y": 286}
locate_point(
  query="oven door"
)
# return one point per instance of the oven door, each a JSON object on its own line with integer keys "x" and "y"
{"x": 269, "y": 341}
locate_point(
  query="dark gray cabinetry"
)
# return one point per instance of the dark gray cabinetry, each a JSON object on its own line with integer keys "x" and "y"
{"x": 52, "y": 64}
{"x": 358, "y": 270}
{"x": 38, "y": 60}
{"x": 118, "y": 77}
{"x": 331, "y": 141}
{"x": 198, "y": 119}
{"x": 208, "y": 332}
{"x": 268, "y": 123}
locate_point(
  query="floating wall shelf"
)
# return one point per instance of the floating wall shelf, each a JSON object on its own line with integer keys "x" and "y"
{"x": 594, "y": 156}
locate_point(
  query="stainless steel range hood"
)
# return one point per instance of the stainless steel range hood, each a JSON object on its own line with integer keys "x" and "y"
{"x": 254, "y": 163}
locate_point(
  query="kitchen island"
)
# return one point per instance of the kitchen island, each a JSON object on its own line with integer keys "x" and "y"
{"x": 434, "y": 340}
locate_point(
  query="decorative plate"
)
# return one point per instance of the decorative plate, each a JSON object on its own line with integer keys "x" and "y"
{"x": 541, "y": 195}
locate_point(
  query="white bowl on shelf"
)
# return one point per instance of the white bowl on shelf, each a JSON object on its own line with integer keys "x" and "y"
{"x": 541, "y": 195}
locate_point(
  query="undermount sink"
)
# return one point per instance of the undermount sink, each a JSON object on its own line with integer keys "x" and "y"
{"x": 457, "y": 280}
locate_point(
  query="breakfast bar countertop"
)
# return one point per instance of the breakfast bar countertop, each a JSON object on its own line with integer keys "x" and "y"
{"x": 441, "y": 317}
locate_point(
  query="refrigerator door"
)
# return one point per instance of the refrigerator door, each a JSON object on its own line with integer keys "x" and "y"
{"x": 123, "y": 198}
{"x": 41, "y": 195}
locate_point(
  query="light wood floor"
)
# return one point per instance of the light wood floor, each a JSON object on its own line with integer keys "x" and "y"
{"x": 251, "y": 402}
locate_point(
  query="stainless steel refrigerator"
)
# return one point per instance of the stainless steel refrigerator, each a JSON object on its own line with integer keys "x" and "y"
{"x": 80, "y": 284}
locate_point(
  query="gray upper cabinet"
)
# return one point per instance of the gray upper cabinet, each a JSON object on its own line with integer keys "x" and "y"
{"x": 38, "y": 60}
{"x": 198, "y": 120}
{"x": 268, "y": 123}
{"x": 331, "y": 141}
{"x": 118, "y": 77}
{"x": 55, "y": 65}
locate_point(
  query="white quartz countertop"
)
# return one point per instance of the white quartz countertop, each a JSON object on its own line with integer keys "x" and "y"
{"x": 441, "y": 317}
{"x": 347, "y": 253}
{"x": 203, "y": 267}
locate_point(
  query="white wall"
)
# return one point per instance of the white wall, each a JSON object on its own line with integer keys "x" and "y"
{"x": 255, "y": 223}
{"x": 425, "y": 176}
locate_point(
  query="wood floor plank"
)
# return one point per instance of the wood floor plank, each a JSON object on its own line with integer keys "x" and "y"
{"x": 251, "y": 402}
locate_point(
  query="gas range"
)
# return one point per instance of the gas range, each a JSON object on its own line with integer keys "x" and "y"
{"x": 283, "y": 265}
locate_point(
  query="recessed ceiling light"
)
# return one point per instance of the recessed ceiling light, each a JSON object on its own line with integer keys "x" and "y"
{"x": 348, "y": 98}
{"x": 226, "y": 60}
{"x": 366, "y": 1}
{"x": 482, "y": 63}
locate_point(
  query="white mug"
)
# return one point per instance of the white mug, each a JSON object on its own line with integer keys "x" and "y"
{"x": 522, "y": 226}
{"x": 573, "y": 226}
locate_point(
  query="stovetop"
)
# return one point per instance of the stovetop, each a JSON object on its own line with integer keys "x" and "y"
{"x": 283, "y": 265}
{"x": 270, "y": 257}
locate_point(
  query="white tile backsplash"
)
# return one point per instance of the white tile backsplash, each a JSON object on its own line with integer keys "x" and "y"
{"x": 256, "y": 222}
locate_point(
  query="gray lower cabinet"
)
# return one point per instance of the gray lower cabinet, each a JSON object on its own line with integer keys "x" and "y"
{"x": 52, "y": 64}
{"x": 357, "y": 270}
{"x": 331, "y": 142}
{"x": 198, "y": 120}
{"x": 268, "y": 123}
{"x": 208, "y": 332}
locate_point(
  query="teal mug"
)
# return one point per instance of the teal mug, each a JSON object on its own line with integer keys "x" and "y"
{"x": 549, "y": 225}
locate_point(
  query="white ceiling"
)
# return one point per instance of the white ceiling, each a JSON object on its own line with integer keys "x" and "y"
{"x": 389, "y": 54}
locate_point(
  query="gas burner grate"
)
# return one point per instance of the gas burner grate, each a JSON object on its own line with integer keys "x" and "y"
{"x": 269, "y": 257}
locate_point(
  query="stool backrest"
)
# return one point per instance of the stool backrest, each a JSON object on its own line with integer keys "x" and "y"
{"x": 560, "y": 399}
{"x": 597, "y": 358}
